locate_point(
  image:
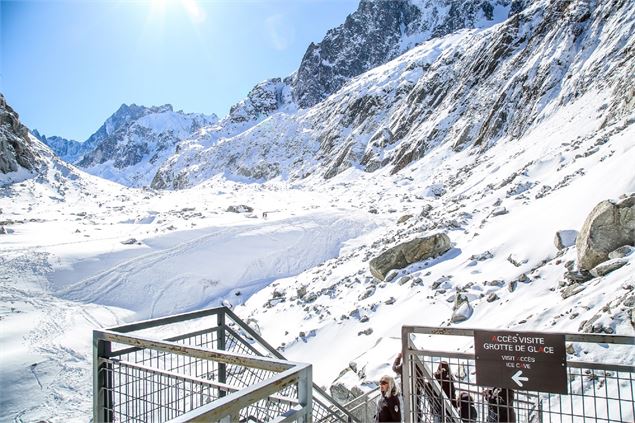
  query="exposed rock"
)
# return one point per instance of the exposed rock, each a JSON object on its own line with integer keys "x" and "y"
{"x": 511, "y": 286}
{"x": 378, "y": 32}
{"x": 607, "y": 267}
{"x": 408, "y": 253}
{"x": 16, "y": 148}
{"x": 369, "y": 291}
{"x": 462, "y": 309}
{"x": 498, "y": 211}
{"x": 391, "y": 275}
{"x": 515, "y": 261}
{"x": 623, "y": 251}
{"x": 572, "y": 290}
{"x": 312, "y": 296}
{"x": 492, "y": 297}
{"x": 239, "y": 209}
{"x": 565, "y": 239}
{"x": 341, "y": 393}
{"x": 129, "y": 241}
{"x": 404, "y": 218}
{"x": 610, "y": 225}
{"x": 402, "y": 280}
{"x": 365, "y": 332}
{"x": 483, "y": 256}
{"x": 580, "y": 276}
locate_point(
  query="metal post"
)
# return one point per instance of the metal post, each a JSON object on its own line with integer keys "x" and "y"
{"x": 405, "y": 375}
{"x": 102, "y": 381}
{"x": 222, "y": 367}
{"x": 305, "y": 393}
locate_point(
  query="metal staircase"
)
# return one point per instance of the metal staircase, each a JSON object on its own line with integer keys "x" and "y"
{"x": 206, "y": 365}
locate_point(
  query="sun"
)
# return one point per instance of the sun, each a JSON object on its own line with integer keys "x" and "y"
{"x": 191, "y": 7}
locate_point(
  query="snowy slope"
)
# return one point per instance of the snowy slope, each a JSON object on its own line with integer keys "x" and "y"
{"x": 73, "y": 268}
{"x": 469, "y": 90}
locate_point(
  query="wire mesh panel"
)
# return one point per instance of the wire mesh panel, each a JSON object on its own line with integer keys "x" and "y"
{"x": 146, "y": 379}
{"x": 177, "y": 366}
{"x": 441, "y": 386}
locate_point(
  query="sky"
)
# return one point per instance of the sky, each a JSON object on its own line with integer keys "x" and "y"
{"x": 66, "y": 66}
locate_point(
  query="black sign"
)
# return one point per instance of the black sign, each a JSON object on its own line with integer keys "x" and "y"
{"x": 529, "y": 361}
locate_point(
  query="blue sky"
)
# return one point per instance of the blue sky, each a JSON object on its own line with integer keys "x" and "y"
{"x": 66, "y": 65}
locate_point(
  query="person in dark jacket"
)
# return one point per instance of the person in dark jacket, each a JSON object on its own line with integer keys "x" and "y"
{"x": 444, "y": 376}
{"x": 388, "y": 407}
{"x": 467, "y": 410}
{"x": 500, "y": 405}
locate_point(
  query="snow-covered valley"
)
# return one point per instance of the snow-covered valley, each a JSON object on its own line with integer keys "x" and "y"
{"x": 500, "y": 134}
{"x": 92, "y": 254}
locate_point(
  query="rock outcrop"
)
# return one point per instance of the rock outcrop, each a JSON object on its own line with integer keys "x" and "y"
{"x": 379, "y": 31}
{"x": 16, "y": 149}
{"x": 610, "y": 225}
{"x": 408, "y": 253}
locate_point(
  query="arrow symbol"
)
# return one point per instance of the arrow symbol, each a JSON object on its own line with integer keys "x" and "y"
{"x": 517, "y": 378}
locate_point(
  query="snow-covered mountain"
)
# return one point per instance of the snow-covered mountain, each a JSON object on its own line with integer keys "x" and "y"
{"x": 470, "y": 89}
{"x": 135, "y": 140}
{"x": 499, "y": 138}
{"x": 68, "y": 150}
{"x": 132, "y": 143}
{"x": 382, "y": 30}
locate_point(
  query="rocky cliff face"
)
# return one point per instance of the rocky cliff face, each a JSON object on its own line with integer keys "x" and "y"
{"x": 471, "y": 89}
{"x": 379, "y": 31}
{"x": 17, "y": 150}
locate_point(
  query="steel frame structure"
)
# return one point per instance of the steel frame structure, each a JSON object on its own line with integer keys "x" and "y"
{"x": 223, "y": 371}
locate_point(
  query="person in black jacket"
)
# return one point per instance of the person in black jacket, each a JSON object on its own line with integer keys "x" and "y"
{"x": 388, "y": 407}
{"x": 500, "y": 405}
{"x": 444, "y": 376}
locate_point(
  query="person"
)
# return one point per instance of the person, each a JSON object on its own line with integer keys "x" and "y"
{"x": 388, "y": 407}
{"x": 444, "y": 376}
{"x": 467, "y": 410}
{"x": 500, "y": 405}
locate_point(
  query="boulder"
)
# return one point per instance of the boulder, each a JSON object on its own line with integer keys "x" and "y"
{"x": 462, "y": 309}
{"x": 408, "y": 253}
{"x": 610, "y": 225}
{"x": 621, "y": 252}
{"x": 565, "y": 239}
{"x": 241, "y": 208}
{"x": 607, "y": 267}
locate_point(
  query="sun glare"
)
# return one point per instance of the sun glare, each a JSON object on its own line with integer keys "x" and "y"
{"x": 191, "y": 7}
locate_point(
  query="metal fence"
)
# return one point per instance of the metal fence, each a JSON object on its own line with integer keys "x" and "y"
{"x": 202, "y": 366}
{"x": 597, "y": 392}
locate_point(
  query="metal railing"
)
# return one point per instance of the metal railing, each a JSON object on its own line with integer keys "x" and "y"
{"x": 364, "y": 407}
{"x": 206, "y": 365}
{"x": 598, "y": 392}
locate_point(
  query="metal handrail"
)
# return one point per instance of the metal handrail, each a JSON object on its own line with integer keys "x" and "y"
{"x": 277, "y": 354}
{"x": 119, "y": 335}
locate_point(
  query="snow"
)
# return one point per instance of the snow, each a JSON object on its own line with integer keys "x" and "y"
{"x": 66, "y": 271}
{"x": 67, "y": 266}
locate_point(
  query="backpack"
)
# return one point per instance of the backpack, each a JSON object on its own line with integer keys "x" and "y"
{"x": 467, "y": 409}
